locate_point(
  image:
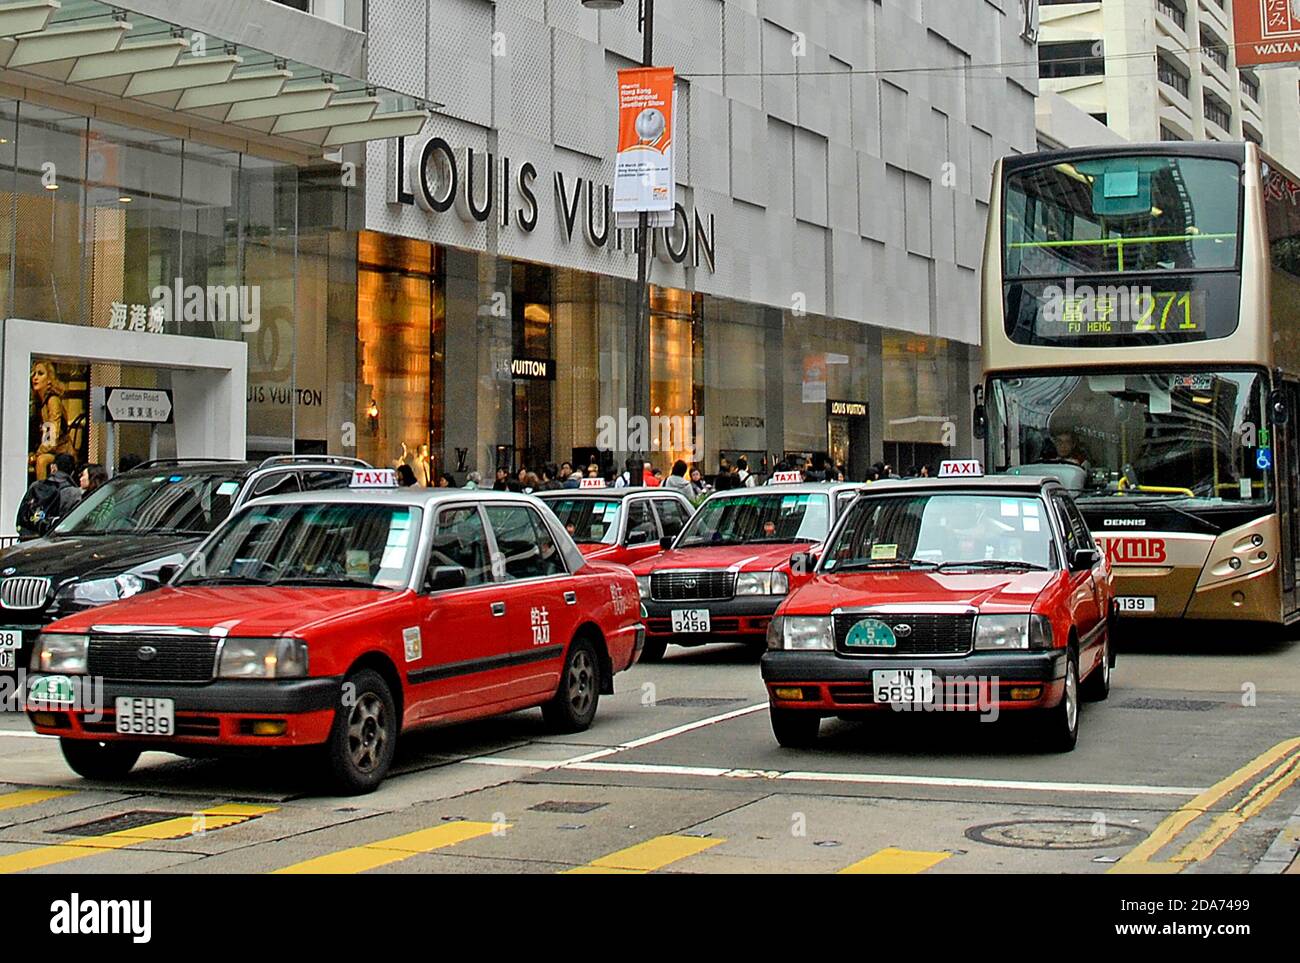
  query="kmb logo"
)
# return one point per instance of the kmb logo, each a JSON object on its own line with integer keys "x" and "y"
{"x": 1134, "y": 551}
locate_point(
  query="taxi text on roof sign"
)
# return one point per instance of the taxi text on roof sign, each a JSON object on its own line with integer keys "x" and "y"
{"x": 964, "y": 468}
{"x": 373, "y": 478}
{"x": 787, "y": 477}
{"x": 592, "y": 483}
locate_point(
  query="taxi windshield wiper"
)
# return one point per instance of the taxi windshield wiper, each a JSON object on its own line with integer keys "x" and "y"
{"x": 991, "y": 563}
{"x": 347, "y": 580}
{"x": 879, "y": 564}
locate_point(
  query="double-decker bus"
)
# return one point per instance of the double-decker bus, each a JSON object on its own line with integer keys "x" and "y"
{"x": 1141, "y": 325}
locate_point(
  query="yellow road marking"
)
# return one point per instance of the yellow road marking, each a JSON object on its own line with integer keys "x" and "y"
{"x": 891, "y": 860}
{"x": 358, "y": 859}
{"x": 28, "y": 797}
{"x": 217, "y": 817}
{"x": 648, "y": 856}
{"x": 1139, "y": 858}
{"x": 1261, "y": 796}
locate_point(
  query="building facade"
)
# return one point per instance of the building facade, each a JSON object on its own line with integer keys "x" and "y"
{"x": 1166, "y": 70}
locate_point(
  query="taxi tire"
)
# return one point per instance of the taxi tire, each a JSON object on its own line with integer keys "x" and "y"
{"x": 370, "y": 694}
{"x": 98, "y": 760}
{"x": 1096, "y": 688}
{"x": 573, "y": 707}
{"x": 653, "y": 650}
{"x": 795, "y": 728}
{"x": 1058, "y": 735}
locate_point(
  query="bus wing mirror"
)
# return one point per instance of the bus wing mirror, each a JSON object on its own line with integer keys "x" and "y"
{"x": 979, "y": 417}
{"x": 1278, "y": 412}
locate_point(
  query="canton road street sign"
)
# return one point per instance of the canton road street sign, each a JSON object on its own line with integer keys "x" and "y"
{"x": 150, "y": 406}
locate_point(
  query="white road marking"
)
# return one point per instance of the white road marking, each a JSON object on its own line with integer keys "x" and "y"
{"x": 26, "y": 735}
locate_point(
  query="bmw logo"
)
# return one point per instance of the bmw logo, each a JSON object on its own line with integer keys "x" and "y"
{"x": 902, "y": 630}
{"x": 146, "y": 653}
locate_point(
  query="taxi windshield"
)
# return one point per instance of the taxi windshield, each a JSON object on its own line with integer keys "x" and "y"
{"x": 751, "y": 519}
{"x": 344, "y": 544}
{"x": 168, "y": 503}
{"x": 942, "y": 530}
{"x": 590, "y": 521}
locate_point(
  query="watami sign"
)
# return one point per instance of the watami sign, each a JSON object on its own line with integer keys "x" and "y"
{"x": 1266, "y": 31}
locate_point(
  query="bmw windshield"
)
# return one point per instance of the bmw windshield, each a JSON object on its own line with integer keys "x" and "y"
{"x": 162, "y": 503}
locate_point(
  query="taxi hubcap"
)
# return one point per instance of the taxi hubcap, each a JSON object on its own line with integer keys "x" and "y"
{"x": 1071, "y": 696}
{"x": 582, "y": 681}
{"x": 367, "y": 732}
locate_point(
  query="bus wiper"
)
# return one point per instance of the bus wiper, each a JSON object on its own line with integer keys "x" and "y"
{"x": 992, "y": 563}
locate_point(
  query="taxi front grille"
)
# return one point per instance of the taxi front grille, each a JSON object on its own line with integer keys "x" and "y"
{"x": 24, "y": 592}
{"x": 173, "y": 659}
{"x": 930, "y": 633}
{"x": 692, "y": 586}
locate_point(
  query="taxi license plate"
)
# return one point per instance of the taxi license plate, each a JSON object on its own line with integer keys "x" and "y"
{"x": 1145, "y": 604}
{"x": 11, "y": 640}
{"x": 691, "y": 620}
{"x": 144, "y": 716}
{"x": 903, "y": 686}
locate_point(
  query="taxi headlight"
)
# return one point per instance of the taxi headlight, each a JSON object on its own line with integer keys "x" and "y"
{"x": 780, "y": 583}
{"x": 100, "y": 591}
{"x": 1006, "y": 633}
{"x": 262, "y": 659}
{"x": 643, "y": 585}
{"x": 61, "y": 653}
{"x": 801, "y": 632}
{"x": 762, "y": 583}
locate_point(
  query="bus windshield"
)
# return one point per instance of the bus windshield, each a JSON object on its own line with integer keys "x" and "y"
{"x": 1121, "y": 213}
{"x": 1192, "y": 437}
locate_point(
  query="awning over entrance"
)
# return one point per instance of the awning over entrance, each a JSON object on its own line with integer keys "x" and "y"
{"x": 109, "y": 57}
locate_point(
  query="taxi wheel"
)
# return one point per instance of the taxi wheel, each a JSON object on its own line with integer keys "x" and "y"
{"x": 795, "y": 728}
{"x": 573, "y": 706}
{"x": 653, "y": 650}
{"x": 98, "y": 760}
{"x": 1061, "y": 723}
{"x": 1097, "y": 686}
{"x": 364, "y": 736}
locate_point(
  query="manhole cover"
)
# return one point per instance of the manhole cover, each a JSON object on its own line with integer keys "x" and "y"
{"x": 1175, "y": 705}
{"x": 698, "y": 703}
{"x": 565, "y": 806}
{"x": 1053, "y": 834}
{"x": 116, "y": 824}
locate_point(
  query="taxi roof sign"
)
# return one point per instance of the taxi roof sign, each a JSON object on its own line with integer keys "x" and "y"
{"x": 787, "y": 477}
{"x": 591, "y": 483}
{"x": 961, "y": 468}
{"x": 373, "y": 478}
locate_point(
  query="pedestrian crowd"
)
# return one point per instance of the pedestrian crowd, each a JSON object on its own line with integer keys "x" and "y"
{"x": 64, "y": 486}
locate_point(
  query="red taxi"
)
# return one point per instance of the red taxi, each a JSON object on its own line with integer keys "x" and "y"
{"x": 722, "y": 578}
{"x": 961, "y": 593}
{"x": 623, "y": 525}
{"x": 340, "y": 620}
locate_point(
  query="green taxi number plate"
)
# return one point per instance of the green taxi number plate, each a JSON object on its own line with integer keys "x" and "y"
{"x": 903, "y": 686}
{"x": 144, "y": 716}
{"x": 11, "y": 641}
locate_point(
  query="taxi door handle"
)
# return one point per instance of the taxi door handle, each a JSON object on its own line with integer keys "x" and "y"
{"x": 570, "y": 598}
{"x": 498, "y": 608}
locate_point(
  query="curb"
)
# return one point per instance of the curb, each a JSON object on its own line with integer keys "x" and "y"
{"x": 1282, "y": 854}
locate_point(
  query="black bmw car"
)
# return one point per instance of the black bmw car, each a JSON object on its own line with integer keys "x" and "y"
{"x": 113, "y": 544}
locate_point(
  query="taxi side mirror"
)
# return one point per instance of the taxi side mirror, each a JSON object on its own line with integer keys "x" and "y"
{"x": 443, "y": 577}
{"x": 638, "y": 536}
{"x": 166, "y": 573}
{"x": 802, "y": 563}
{"x": 666, "y": 542}
{"x": 1084, "y": 558}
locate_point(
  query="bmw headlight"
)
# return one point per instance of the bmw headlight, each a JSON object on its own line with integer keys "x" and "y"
{"x": 762, "y": 583}
{"x": 1006, "y": 633}
{"x": 643, "y": 585}
{"x": 61, "y": 652}
{"x": 100, "y": 591}
{"x": 262, "y": 659}
{"x": 801, "y": 633}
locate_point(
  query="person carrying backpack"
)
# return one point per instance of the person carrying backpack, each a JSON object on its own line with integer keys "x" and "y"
{"x": 48, "y": 500}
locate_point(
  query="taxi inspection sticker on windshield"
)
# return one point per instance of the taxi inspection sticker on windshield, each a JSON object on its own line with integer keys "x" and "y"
{"x": 884, "y": 552}
{"x": 871, "y": 634}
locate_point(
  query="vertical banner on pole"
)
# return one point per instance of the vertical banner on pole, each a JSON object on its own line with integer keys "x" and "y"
{"x": 644, "y": 178}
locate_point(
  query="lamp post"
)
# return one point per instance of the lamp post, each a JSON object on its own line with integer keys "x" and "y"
{"x": 639, "y": 349}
